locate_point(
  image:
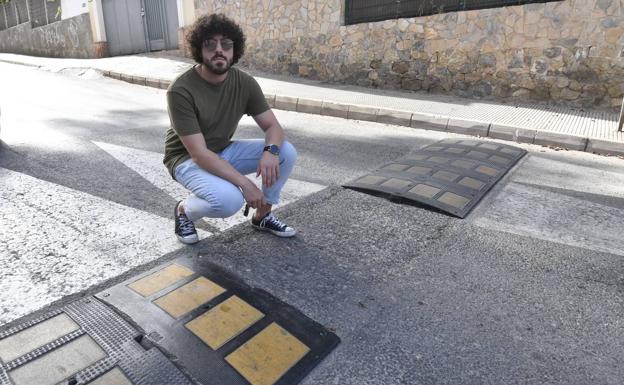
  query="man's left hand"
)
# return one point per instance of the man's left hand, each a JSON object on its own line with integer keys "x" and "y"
{"x": 268, "y": 167}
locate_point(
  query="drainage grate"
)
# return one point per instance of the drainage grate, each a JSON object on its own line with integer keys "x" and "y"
{"x": 451, "y": 175}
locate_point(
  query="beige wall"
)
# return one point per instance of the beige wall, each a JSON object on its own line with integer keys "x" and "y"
{"x": 569, "y": 51}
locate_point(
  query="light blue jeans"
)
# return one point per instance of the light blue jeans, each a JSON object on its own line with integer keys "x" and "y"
{"x": 215, "y": 197}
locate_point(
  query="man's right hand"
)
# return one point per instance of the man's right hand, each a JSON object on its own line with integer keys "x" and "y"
{"x": 253, "y": 195}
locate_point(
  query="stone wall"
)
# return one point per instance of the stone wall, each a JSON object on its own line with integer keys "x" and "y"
{"x": 65, "y": 38}
{"x": 565, "y": 51}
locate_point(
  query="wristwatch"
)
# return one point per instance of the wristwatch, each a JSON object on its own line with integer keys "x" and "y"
{"x": 273, "y": 149}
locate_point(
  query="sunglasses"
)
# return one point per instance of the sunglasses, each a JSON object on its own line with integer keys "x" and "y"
{"x": 211, "y": 45}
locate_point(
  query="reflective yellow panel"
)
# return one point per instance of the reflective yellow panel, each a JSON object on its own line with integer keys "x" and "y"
{"x": 417, "y": 157}
{"x": 489, "y": 146}
{"x": 478, "y": 154}
{"x": 424, "y": 190}
{"x": 438, "y": 159}
{"x": 396, "y": 167}
{"x": 454, "y": 150}
{"x": 472, "y": 183}
{"x": 27, "y": 340}
{"x": 267, "y": 356}
{"x": 445, "y": 175}
{"x": 188, "y": 297}
{"x": 60, "y": 363}
{"x": 487, "y": 170}
{"x": 371, "y": 179}
{"x": 113, "y": 377}
{"x": 499, "y": 159}
{"x": 510, "y": 151}
{"x": 159, "y": 280}
{"x": 224, "y": 322}
{"x": 453, "y": 200}
{"x": 418, "y": 170}
{"x": 462, "y": 163}
{"x": 396, "y": 183}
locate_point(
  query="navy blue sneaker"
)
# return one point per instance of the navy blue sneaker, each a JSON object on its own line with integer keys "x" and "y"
{"x": 184, "y": 227}
{"x": 273, "y": 225}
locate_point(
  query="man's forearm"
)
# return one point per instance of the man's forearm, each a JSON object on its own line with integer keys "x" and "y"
{"x": 274, "y": 135}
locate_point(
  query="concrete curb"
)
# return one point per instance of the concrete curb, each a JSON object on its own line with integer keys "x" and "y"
{"x": 418, "y": 120}
{"x": 408, "y": 119}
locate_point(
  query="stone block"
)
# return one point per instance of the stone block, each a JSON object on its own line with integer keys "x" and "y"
{"x": 270, "y": 98}
{"x": 309, "y": 106}
{"x": 468, "y": 127}
{"x": 335, "y": 109}
{"x": 516, "y": 134}
{"x": 152, "y": 83}
{"x": 429, "y": 122}
{"x": 363, "y": 113}
{"x": 140, "y": 80}
{"x": 164, "y": 84}
{"x": 605, "y": 147}
{"x": 126, "y": 78}
{"x": 287, "y": 103}
{"x": 399, "y": 118}
{"x": 571, "y": 142}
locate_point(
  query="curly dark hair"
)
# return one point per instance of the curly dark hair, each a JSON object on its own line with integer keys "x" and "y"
{"x": 209, "y": 25}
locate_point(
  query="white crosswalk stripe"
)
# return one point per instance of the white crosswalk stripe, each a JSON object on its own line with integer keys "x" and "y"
{"x": 56, "y": 241}
{"x": 149, "y": 165}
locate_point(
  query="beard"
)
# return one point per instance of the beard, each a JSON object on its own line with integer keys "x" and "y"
{"x": 218, "y": 67}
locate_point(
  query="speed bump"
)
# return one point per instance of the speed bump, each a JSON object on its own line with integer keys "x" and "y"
{"x": 218, "y": 328}
{"x": 451, "y": 175}
{"x": 85, "y": 342}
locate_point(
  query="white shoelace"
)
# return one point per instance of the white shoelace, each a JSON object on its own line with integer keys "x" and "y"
{"x": 273, "y": 221}
{"x": 186, "y": 225}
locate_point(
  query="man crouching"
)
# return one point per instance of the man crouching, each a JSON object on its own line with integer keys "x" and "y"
{"x": 205, "y": 105}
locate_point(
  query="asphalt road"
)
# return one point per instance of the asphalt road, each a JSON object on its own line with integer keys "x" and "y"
{"x": 528, "y": 289}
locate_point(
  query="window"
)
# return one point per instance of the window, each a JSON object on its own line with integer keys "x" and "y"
{"x": 362, "y": 11}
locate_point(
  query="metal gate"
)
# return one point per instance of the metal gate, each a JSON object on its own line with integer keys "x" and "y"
{"x": 135, "y": 26}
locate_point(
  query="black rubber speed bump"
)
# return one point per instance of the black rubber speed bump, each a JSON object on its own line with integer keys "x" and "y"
{"x": 218, "y": 328}
{"x": 451, "y": 175}
{"x": 83, "y": 343}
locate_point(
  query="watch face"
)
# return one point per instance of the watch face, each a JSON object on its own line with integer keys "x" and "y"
{"x": 273, "y": 149}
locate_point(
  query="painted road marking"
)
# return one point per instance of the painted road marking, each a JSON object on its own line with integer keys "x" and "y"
{"x": 537, "y": 213}
{"x": 56, "y": 241}
{"x": 149, "y": 165}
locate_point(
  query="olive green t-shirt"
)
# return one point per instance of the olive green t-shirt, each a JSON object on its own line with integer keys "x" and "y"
{"x": 197, "y": 106}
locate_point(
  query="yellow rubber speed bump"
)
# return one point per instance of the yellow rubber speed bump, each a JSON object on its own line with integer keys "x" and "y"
{"x": 266, "y": 357}
{"x": 161, "y": 279}
{"x": 223, "y": 331}
{"x": 224, "y": 322}
{"x": 451, "y": 175}
{"x": 189, "y": 297}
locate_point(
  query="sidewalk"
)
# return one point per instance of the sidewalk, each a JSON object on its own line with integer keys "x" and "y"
{"x": 565, "y": 127}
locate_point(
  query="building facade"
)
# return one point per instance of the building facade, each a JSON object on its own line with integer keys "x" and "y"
{"x": 569, "y": 51}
